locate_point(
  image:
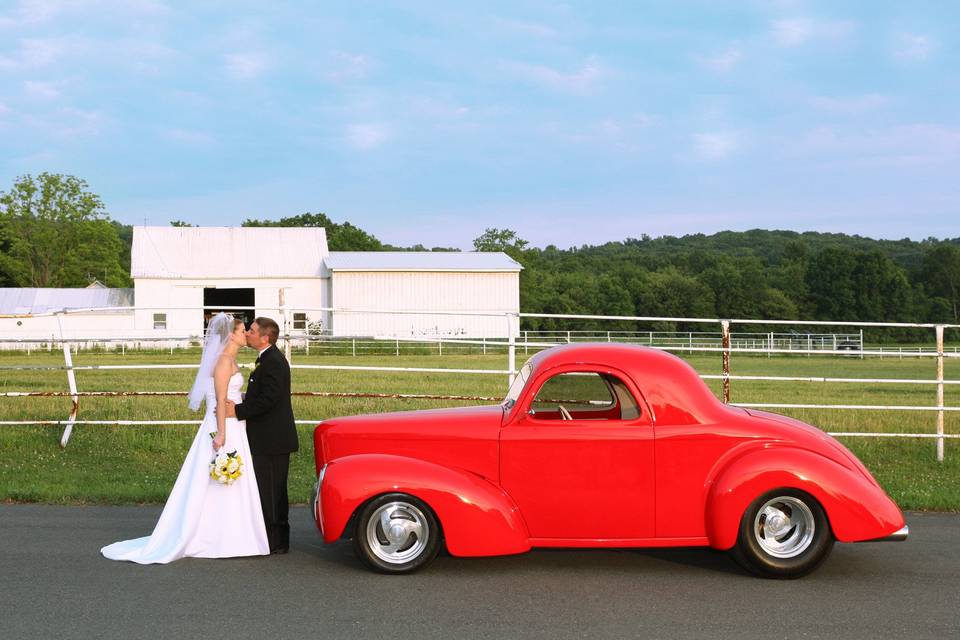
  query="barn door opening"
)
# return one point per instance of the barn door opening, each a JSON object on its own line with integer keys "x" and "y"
{"x": 217, "y": 300}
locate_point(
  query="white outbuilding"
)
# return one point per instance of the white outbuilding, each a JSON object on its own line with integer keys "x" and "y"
{"x": 470, "y": 294}
{"x": 183, "y": 275}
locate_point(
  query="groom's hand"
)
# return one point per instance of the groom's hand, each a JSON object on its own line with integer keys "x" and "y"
{"x": 231, "y": 409}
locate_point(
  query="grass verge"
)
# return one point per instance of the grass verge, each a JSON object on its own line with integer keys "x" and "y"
{"x": 138, "y": 464}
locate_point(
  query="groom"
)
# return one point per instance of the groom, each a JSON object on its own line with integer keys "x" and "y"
{"x": 270, "y": 428}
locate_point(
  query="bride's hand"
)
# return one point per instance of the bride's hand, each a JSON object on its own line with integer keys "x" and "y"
{"x": 218, "y": 441}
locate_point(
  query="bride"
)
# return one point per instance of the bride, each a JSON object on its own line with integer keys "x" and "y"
{"x": 203, "y": 518}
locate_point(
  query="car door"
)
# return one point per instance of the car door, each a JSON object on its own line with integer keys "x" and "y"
{"x": 577, "y": 458}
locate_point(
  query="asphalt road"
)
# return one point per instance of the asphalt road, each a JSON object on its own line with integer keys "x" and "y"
{"x": 55, "y": 584}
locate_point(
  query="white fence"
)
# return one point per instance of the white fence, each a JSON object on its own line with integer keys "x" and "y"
{"x": 724, "y": 343}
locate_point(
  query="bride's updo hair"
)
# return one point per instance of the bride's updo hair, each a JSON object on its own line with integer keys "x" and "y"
{"x": 221, "y": 326}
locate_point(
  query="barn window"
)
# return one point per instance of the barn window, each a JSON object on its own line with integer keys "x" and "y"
{"x": 159, "y": 321}
{"x": 300, "y": 321}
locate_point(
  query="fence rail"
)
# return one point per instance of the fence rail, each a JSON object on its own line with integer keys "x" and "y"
{"x": 725, "y": 342}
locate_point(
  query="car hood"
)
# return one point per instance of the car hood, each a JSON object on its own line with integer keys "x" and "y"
{"x": 464, "y": 437}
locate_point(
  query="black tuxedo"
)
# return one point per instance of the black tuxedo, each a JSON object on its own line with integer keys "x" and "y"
{"x": 272, "y": 433}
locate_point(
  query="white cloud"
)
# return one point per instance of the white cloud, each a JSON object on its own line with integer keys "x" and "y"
{"x": 850, "y": 104}
{"x": 722, "y": 62}
{"x": 902, "y": 145}
{"x": 189, "y": 137}
{"x": 246, "y": 65}
{"x": 714, "y": 145}
{"x": 67, "y": 123}
{"x": 528, "y": 28}
{"x": 31, "y": 12}
{"x": 77, "y": 122}
{"x": 624, "y": 133}
{"x": 366, "y": 136}
{"x": 912, "y": 46}
{"x": 583, "y": 80}
{"x": 4, "y": 109}
{"x": 792, "y": 32}
{"x": 33, "y": 53}
{"x": 42, "y": 90}
{"x": 349, "y": 66}
{"x": 437, "y": 109}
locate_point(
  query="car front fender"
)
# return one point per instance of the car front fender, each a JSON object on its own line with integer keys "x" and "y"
{"x": 856, "y": 508}
{"x": 477, "y": 517}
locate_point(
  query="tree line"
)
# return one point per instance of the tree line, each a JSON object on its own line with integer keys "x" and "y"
{"x": 54, "y": 232}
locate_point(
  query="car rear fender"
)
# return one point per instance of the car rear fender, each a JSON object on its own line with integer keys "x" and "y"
{"x": 477, "y": 517}
{"x": 856, "y": 508}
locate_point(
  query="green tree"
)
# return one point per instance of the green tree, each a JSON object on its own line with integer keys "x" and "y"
{"x": 54, "y": 232}
{"x": 941, "y": 275}
{"x": 494, "y": 239}
{"x": 340, "y": 236}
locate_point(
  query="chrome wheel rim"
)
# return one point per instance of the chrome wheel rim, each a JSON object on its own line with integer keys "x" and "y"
{"x": 397, "y": 532}
{"x": 784, "y": 527}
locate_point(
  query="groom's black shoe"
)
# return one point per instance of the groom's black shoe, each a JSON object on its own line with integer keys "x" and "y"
{"x": 279, "y": 550}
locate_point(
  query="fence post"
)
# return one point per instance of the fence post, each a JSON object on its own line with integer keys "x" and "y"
{"x": 725, "y": 330}
{"x": 72, "y": 382}
{"x": 940, "y": 392}
{"x": 440, "y": 346}
{"x": 511, "y": 349}
{"x": 861, "y": 344}
{"x": 353, "y": 342}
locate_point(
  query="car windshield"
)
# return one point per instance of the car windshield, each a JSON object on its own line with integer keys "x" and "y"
{"x": 516, "y": 387}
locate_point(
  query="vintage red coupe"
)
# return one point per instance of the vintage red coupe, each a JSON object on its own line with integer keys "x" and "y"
{"x": 595, "y": 445}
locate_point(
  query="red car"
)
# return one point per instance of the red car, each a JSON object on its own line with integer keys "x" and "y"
{"x": 595, "y": 445}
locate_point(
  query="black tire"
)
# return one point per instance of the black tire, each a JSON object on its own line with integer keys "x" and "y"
{"x": 412, "y": 540}
{"x": 796, "y": 547}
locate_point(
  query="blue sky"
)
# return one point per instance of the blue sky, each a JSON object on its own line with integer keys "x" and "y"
{"x": 425, "y": 122}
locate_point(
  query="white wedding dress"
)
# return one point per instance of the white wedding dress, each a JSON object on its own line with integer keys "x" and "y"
{"x": 202, "y": 518}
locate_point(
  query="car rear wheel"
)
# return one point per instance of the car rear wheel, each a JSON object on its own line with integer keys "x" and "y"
{"x": 396, "y": 533}
{"x": 783, "y": 534}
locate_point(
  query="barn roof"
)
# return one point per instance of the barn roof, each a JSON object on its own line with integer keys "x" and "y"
{"x": 421, "y": 261}
{"x": 228, "y": 252}
{"x": 32, "y": 301}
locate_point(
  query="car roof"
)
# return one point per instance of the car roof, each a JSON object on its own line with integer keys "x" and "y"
{"x": 671, "y": 386}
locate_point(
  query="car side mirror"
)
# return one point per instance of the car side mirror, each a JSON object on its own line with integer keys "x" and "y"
{"x": 531, "y": 412}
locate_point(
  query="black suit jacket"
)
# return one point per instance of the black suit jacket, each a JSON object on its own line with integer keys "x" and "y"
{"x": 266, "y": 407}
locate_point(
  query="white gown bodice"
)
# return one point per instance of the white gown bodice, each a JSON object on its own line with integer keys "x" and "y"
{"x": 234, "y": 387}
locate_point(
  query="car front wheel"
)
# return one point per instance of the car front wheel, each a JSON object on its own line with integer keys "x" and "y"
{"x": 396, "y": 533}
{"x": 783, "y": 534}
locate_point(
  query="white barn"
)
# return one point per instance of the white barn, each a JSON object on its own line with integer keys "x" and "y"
{"x": 182, "y": 275}
{"x": 474, "y": 283}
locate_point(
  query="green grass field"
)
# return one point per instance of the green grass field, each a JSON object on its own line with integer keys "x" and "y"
{"x": 138, "y": 464}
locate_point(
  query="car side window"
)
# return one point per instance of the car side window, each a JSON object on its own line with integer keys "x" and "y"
{"x": 584, "y": 396}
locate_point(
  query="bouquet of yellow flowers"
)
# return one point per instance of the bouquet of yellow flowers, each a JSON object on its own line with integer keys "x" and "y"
{"x": 225, "y": 467}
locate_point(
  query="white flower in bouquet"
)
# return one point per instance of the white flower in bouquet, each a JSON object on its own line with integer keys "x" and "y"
{"x": 225, "y": 468}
